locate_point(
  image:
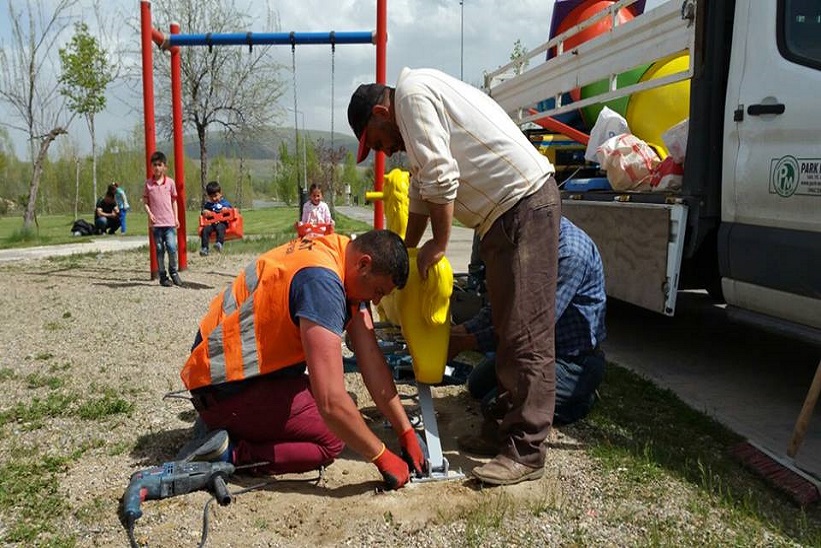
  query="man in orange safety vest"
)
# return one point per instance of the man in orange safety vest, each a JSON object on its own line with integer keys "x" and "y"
{"x": 266, "y": 372}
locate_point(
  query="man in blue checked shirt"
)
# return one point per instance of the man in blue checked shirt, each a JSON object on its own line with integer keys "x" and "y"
{"x": 580, "y": 310}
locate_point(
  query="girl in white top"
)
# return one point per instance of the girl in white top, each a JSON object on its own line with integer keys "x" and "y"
{"x": 316, "y": 211}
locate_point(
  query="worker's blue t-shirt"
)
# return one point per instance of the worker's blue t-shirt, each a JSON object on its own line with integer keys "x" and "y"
{"x": 317, "y": 294}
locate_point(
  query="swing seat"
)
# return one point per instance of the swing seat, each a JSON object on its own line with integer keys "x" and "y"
{"x": 314, "y": 229}
{"x": 231, "y": 216}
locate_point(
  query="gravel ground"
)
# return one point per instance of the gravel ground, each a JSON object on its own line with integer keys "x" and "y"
{"x": 93, "y": 327}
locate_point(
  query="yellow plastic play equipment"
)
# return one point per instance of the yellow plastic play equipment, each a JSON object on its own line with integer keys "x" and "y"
{"x": 422, "y": 307}
{"x": 395, "y": 200}
{"x": 424, "y": 316}
{"x": 652, "y": 112}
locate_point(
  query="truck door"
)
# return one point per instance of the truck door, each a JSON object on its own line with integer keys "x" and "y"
{"x": 770, "y": 241}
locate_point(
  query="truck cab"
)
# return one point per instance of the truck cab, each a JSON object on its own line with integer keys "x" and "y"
{"x": 746, "y": 223}
{"x": 769, "y": 240}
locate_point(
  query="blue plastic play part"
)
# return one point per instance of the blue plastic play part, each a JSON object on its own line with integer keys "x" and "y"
{"x": 581, "y": 185}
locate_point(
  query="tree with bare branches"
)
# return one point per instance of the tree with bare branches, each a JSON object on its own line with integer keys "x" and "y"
{"x": 232, "y": 88}
{"x": 330, "y": 158}
{"x": 28, "y": 81}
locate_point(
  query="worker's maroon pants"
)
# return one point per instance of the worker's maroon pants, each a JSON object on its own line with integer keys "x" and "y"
{"x": 520, "y": 252}
{"x": 273, "y": 420}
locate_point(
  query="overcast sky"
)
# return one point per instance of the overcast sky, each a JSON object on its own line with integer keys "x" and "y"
{"x": 421, "y": 33}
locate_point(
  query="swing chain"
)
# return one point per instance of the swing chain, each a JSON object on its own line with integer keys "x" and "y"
{"x": 296, "y": 125}
{"x": 333, "y": 95}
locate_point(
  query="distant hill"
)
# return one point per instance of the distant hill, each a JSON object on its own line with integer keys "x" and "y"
{"x": 266, "y": 147}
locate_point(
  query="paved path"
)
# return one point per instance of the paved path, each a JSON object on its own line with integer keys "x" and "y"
{"x": 85, "y": 244}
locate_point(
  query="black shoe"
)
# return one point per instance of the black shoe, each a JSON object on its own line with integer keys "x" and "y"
{"x": 175, "y": 278}
{"x": 165, "y": 282}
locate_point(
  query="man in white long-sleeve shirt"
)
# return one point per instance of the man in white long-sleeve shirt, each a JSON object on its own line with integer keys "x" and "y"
{"x": 471, "y": 162}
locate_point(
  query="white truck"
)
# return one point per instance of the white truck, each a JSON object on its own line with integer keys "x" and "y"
{"x": 747, "y": 220}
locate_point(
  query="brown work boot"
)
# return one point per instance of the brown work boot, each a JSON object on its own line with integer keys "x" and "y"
{"x": 506, "y": 471}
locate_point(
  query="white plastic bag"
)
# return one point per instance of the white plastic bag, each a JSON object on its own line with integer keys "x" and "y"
{"x": 629, "y": 162}
{"x": 675, "y": 139}
{"x": 609, "y": 123}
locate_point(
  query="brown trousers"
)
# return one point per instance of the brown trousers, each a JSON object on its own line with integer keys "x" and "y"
{"x": 520, "y": 252}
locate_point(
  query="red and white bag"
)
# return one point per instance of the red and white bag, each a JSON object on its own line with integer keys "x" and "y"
{"x": 628, "y": 161}
{"x": 668, "y": 175}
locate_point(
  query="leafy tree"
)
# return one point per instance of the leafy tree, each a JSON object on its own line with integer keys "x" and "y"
{"x": 85, "y": 76}
{"x": 351, "y": 176}
{"x": 518, "y": 56}
{"x": 25, "y": 84}
{"x": 286, "y": 178}
{"x": 329, "y": 160}
{"x": 225, "y": 86}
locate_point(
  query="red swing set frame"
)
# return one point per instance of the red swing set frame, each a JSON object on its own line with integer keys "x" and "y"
{"x": 149, "y": 34}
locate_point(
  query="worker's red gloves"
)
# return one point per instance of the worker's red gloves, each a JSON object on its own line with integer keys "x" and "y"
{"x": 394, "y": 470}
{"x": 412, "y": 452}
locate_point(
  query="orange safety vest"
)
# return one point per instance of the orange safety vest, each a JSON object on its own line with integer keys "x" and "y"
{"x": 248, "y": 329}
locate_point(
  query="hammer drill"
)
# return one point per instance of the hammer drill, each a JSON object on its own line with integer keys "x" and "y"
{"x": 175, "y": 478}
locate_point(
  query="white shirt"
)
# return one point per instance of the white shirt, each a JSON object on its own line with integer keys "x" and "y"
{"x": 463, "y": 148}
{"x": 316, "y": 214}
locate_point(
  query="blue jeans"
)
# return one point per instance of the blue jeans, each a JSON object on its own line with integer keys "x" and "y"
{"x": 122, "y": 220}
{"x": 219, "y": 228}
{"x": 165, "y": 240}
{"x": 577, "y": 379}
{"x": 104, "y": 224}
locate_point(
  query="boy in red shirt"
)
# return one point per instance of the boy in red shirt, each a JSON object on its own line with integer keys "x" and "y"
{"x": 159, "y": 199}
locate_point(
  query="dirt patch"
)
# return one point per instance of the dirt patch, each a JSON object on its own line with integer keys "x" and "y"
{"x": 95, "y": 328}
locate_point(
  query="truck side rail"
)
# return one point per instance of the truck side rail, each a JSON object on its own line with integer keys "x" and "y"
{"x": 659, "y": 33}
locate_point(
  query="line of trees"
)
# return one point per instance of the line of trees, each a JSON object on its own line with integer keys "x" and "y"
{"x": 65, "y": 180}
{"x": 58, "y": 66}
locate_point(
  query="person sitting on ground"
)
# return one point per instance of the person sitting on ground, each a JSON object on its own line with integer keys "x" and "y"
{"x": 580, "y": 313}
{"x": 215, "y": 204}
{"x": 106, "y": 213}
{"x": 285, "y": 314}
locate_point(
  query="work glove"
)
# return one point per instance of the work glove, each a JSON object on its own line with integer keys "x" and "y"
{"x": 412, "y": 452}
{"x": 394, "y": 470}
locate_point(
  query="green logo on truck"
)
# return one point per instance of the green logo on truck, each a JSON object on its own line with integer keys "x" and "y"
{"x": 795, "y": 176}
{"x": 784, "y": 176}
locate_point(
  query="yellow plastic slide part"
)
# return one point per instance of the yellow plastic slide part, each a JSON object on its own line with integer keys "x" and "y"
{"x": 421, "y": 308}
{"x": 424, "y": 316}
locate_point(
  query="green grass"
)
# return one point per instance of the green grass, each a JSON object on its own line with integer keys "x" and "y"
{"x": 639, "y": 432}
{"x": 29, "y": 488}
{"x": 275, "y": 223}
{"x": 644, "y": 437}
{"x": 32, "y": 414}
